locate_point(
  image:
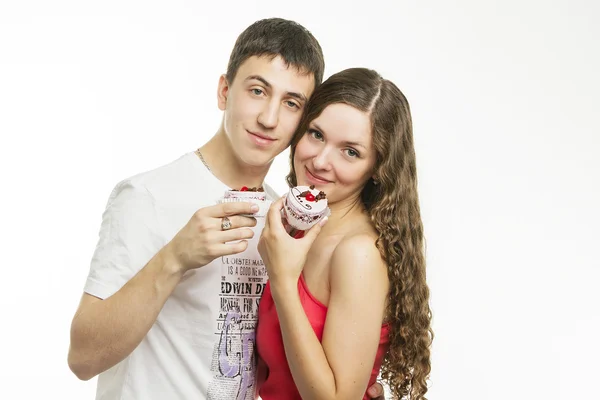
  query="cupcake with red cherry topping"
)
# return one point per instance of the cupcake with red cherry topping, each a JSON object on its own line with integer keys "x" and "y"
{"x": 254, "y": 195}
{"x": 304, "y": 206}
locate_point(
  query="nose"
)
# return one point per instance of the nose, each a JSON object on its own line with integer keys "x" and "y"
{"x": 322, "y": 161}
{"x": 269, "y": 115}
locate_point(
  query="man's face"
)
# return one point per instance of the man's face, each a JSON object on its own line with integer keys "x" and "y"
{"x": 263, "y": 107}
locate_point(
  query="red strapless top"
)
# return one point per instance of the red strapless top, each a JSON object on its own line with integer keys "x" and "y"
{"x": 279, "y": 383}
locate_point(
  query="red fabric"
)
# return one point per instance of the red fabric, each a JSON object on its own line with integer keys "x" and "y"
{"x": 279, "y": 383}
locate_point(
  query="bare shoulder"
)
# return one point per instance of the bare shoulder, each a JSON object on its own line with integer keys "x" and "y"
{"x": 357, "y": 244}
{"x": 356, "y": 255}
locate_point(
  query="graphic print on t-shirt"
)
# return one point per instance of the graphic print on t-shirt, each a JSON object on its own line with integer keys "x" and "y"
{"x": 243, "y": 280}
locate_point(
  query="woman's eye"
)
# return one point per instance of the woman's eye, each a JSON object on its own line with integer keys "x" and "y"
{"x": 315, "y": 134}
{"x": 352, "y": 153}
{"x": 292, "y": 104}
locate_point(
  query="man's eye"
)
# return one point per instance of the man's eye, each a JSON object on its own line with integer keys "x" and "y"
{"x": 257, "y": 92}
{"x": 292, "y": 104}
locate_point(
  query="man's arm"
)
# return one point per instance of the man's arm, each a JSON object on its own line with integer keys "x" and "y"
{"x": 104, "y": 332}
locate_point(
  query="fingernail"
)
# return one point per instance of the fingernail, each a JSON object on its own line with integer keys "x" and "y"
{"x": 254, "y": 208}
{"x": 323, "y": 221}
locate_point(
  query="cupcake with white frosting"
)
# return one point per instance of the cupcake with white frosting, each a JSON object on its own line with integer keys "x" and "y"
{"x": 304, "y": 207}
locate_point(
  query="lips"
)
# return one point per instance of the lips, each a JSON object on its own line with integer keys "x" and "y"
{"x": 315, "y": 178}
{"x": 261, "y": 136}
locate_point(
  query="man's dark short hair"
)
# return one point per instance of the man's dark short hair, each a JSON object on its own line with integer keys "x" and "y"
{"x": 274, "y": 37}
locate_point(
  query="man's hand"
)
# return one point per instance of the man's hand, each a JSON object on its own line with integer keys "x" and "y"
{"x": 375, "y": 391}
{"x": 202, "y": 239}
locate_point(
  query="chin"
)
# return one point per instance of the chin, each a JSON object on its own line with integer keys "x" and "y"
{"x": 257, "y": 158}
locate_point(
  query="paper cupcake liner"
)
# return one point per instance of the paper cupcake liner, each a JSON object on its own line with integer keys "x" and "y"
{"x": 263, "y": 205}
{"x": 301, "y": 220}
{"x": 231, "y": 194}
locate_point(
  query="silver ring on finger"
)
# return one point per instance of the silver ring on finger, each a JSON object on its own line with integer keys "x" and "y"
{"x": 225, "y": 224}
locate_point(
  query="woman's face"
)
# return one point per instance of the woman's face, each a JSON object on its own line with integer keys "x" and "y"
{"x": 336, "y": 153}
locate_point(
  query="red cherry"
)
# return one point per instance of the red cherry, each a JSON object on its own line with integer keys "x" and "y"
{"x": 244, "y": 189}
{"x": 310, "y": 197}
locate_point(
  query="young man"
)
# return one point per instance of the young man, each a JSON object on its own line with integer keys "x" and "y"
{"x": 169, "y": 307}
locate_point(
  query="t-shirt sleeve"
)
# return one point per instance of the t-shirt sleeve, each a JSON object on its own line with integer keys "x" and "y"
{"x": 129, "y": 237}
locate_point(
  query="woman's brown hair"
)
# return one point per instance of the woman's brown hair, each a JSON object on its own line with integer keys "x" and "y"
{"x": 392, "y": 202}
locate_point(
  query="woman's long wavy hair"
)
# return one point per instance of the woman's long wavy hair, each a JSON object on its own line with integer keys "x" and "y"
{"x": 393, "y": 205}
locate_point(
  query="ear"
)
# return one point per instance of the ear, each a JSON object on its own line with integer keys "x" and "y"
{"x": 222, "y": 92}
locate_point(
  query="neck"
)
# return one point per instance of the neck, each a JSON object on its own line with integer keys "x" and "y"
{"x": 226, "y": 165}
{"x": 345, "y": 211}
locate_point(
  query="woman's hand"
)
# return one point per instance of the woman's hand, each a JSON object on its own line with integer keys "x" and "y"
{"x": 283, "y": 255}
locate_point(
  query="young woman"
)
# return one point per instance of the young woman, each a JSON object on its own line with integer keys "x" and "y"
{"x": 350, "y": 297}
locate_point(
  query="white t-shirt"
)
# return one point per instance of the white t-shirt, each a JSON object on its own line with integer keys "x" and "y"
{"x": 202, "y": 343}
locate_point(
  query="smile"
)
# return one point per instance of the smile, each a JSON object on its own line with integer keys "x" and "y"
{"x": 261, "y": 139}
{"x": 316, "y": 179}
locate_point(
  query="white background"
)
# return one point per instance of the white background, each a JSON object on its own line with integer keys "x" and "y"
{"x": 505, "y": 104}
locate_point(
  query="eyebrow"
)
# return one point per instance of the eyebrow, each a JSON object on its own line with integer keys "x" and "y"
{"x": 298, "y": 96}
{"x": 357, "y": 144}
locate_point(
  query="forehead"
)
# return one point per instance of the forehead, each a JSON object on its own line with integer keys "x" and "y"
{"x": 344, "y": 122}
{"x": 282, "y": 77}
